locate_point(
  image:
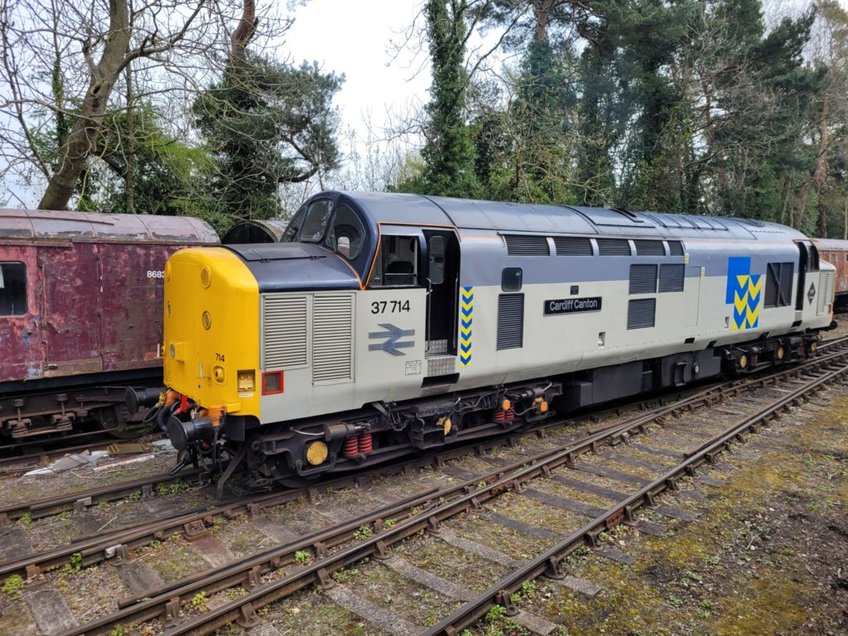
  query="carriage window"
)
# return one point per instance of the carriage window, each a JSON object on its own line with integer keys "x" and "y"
{"x": 294, "y": 225}
{"x": 315, "y": 224}
{"x": 397, "y": 262}
{"x": 347, "y": 233}
{"x": 13, "y": 297}
{"x": 437, "y": 260}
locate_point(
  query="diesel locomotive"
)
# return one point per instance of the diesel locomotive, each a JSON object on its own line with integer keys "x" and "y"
{"x": 384, "y": 324}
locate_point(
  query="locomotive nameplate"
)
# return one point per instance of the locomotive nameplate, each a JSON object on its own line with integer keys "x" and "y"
{"x": 572, "y": 305}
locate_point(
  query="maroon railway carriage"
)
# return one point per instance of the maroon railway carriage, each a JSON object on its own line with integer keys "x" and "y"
{"x": 835, "y": 252}
{"x": 78, "y": 317}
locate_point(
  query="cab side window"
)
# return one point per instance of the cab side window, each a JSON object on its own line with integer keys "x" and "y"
{"x": 294, "y": 226}
{"x": 315, "y": 224}
{"x": 347, "y": 234}
{"x": 13, "y": 293}
{"x": 397, "y": 262}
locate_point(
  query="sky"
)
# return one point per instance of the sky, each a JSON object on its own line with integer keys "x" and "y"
{"x": 355, "y": 38}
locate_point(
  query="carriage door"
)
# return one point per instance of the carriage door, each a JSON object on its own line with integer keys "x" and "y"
{"x": 442, "y": 294}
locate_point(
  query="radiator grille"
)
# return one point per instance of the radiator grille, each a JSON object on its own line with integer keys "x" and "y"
{"x": 640, "y": 313}
{"x": 510, "y": 321}
{"x": 522, "y": 245}
{"x": 283, "y": 331}
{"x": 332, "y": 338}
{"x": 643, "y": 279}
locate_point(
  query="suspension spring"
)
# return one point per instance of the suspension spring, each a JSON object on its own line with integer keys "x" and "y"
{"x": 366, "y": 443}
{"x": 351, "y": 447}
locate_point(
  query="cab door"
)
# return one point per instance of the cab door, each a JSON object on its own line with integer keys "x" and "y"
{"x": 442, "y": 279}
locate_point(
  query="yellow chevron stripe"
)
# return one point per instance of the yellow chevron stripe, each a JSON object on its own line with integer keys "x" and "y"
{"x": 754, "y": 288}
{"x": 752, "y": 315}
{"x": 740, "y": 303}
{"x": 465, "y": 331}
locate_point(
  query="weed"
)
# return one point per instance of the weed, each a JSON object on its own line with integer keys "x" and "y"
{"x": 63, "y": 516}
{"x": 76, "y": 562}
{"x": 495, "y": 612}
{"x": 481, "y": 485}
{"x": 172, "y": 489}
{"x": 135, "y": 495}
{"x": 675, "y": 601}
{"x": 104, "y": 505}
{"x": 197, "y": 604}
{"x": 303, "y": 556}
{"x": 527, "y": 588}
{"x": 346, "y": 575}
{"x": 13, "y": 586}
{"x": 389, "y": 523}
{"x": 707, "y": 604}
{"x": 26, "y": 519}
{"x": 119, "y": 630}
{"x": 363, "y": 533}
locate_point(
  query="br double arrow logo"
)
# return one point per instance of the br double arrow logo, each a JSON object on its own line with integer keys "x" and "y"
{"x": 392, "y": 339}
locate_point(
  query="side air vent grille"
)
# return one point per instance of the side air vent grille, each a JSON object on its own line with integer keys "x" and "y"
{"x": 675, "y": 248}
{"x": 522, "y": 245}
{"x": 649, "y": 248}
{"x": 572, "y": 246}
{"x": 671, "y": 278}
{"x": 643, "y": 279}
{"x": 510, "y": 321}
{"x": 614, "y": 247}
{"x": 641, "y": 312}
{"x": 283, "y": 331}
{"x": 825, "y": 292}
{"x": 332, "y": 338}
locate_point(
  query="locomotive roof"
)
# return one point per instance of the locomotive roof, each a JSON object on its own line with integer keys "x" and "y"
{"x": 98, "y": 226}
{"x": 468, "y": 214}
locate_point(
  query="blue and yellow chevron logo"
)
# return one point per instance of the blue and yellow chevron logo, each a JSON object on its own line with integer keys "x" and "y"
{"x": 466, "y": 319}
{"x": 744, "y": 292}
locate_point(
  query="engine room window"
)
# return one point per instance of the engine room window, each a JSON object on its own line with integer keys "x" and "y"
{"x": 397, "y": 262}
{"x": 511, "y": 279}
{"x": 347, "y": 233}
{"x": 294, "y": 226}
{"x": 779, "y": 284}
{"x": 315, "y": 224}
{"x": 13, "y": 297}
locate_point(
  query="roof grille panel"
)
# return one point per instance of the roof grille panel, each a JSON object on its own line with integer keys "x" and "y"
{"x": 614, "y": 247}
{"x": 283, "y": 331}
{"x": 649, "y": 248}
{"x": 675, "y": 248}
{"x": 572, "y": 246}
{"x": 524, "y": 245}
{"x": 332, "y": 338}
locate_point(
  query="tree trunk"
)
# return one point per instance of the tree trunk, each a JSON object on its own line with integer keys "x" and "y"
{"x": 82, "y": 137}
{"x": 817, "y": 176}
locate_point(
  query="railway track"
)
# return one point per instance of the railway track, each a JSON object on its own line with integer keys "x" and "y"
{"x": 373, "y": 534}
{"x": 115, "y": 544}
